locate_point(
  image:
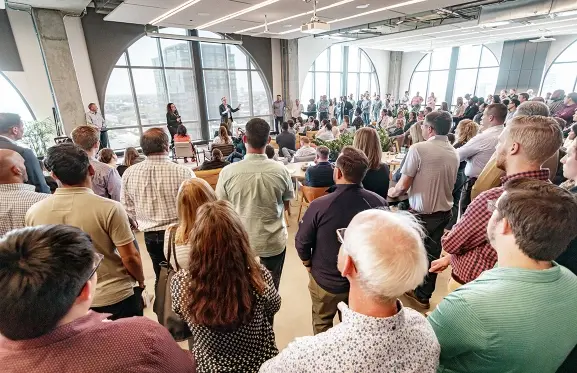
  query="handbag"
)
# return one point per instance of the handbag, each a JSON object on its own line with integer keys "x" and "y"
{"x": 163, "y": 300}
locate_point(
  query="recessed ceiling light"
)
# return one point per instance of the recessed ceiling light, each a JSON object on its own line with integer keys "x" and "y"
{"x": 287, "y": 26}
{"x": 203, "y": 14}
{"x": 364, "y": 6}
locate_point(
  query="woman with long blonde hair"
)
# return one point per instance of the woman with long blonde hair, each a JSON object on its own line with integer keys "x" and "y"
{"x": 377, "y": 178}
{"x": 223, "y": 137}
{"x": 192, "y": 194}
{"x": 466, "y": 130}
{"x": 416, "y": 133}
{"x": 225, "y": 296}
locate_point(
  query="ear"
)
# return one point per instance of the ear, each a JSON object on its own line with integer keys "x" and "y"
{"x": 505, "y": 227}
{"x": 514, "y": 148}
{"x": 15, "y": 170}
{"x": 244, "y": 139}
{"x": 86, "y": 292}
{"x": 269, "y": 139}
{"x": 91, "y": 171}
{"x": 349, "y": 268}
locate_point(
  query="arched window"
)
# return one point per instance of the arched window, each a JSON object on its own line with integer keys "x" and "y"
{"x": 12, "y": 100}
{"x": 432, "y": 75}
{"x": 562, "y": 73}
{"x": 153, "y": 72}
{"x": 339, "y": 71}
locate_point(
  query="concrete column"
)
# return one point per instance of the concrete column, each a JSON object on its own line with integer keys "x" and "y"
{"x": 394, "y": 81}
{"x": 293, "y": 70}
{"x": 60, "y": 67}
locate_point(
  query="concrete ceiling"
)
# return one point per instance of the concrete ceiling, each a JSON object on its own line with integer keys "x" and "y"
{"x": 73, "y": 6}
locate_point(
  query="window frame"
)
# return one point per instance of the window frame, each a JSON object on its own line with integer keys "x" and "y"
{"x": 560, "y": 63}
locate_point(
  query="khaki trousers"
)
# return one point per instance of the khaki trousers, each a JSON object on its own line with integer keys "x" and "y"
{"x": 324, "y": 306}
{"x": 453, "y": 285}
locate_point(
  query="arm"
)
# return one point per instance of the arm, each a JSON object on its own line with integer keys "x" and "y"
{"x": 469, "y": 149}
{"x": 122, "y": 237}
{"x": 220, "y": 187}
{"x": 271, "y": 295}
{"x": 89, "y": 119}
{"x": 165, "y": 354}
{"x": 126, "y": 198}
{"x": 170, "y": 120}
{"x": 114, "y": 184}
{"x": 132, "y": 262}
{"x": 305, "y": 239}
{"x": 402, "y": 186}
{"x": 412, "y": 163}
{"x": 234, "y": 110}
{"x": 35, "y": 175}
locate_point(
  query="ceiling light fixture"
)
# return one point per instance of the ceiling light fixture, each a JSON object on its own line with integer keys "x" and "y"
{"x": 2, "y": 4}
{"x": 287, "y": 26}
{"x": 363, "y": 6}
{"x": 203, "y": 14}
{"x": 159, "y": 35}
{"x": 410, "y": 2}
{"x": 298, "y": 15}
{"x": 236, "y": 14}
{"x": 173, "y": 11}
{"x": 494, "y": 24}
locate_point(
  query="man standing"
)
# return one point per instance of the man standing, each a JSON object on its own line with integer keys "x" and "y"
{"x": 321, "y": 174}
{"x": 12, "y": 130}
{"x": 260, "y": 190}
{"x": 429, "y": 174}
{"x": 106, "y": 181}
{"x": 95, "y": 118}
{"x": 478, "y": 151}
{"x": 297, "y": 110}
{"x": 226, "y": 111}
{"x": 15, "y": 196}
{"x": 377, "y": 106}
{"x": 366, "y": 109}
{"x": 316, "y": 240}
{"x": 505, "y": 320}
{"x": 149, "y": 191}
{"x": 417, "y": 101}
{"x": 522, "y": 148}
{"x": 382, "y": 256}
{"x": 405, "y": 99}
{"x": 121, "y": 279}
{"x": 353, "y": 105}
{"x": 323, "y": 108}
{"x": 278, "y": 110}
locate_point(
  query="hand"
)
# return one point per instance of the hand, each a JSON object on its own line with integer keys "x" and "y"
{"x": 439, "y": 265}
{"x": 133, "y": 223}
{"x": 141, "y": 285}
{"x": 178, "y": 120}
{"x": 392, "y": 193}
{"x": 308, "y": 269}
{"x": 238, "y": 107}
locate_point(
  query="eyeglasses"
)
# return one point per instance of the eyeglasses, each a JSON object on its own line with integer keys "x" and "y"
{"x": 341, "y": 235}
{"x": 492, "y": 205}
{"x": 97, "y": 262}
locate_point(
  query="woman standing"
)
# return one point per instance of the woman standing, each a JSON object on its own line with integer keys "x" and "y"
{"x": 432, "y": 101}
{"x": 297, "y": 110}
{"x": 225, "y": 296}
{"x": 331, "y": 109}
{"x": 377, "y": 177}
{"x": 172, "y": 120}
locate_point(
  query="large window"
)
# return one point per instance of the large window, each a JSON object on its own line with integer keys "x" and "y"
{"x": 12, "y": 101}
{"x": 339, "y": 71}
{"x": 562, "y": 73}
{"x": 153, "y": 72}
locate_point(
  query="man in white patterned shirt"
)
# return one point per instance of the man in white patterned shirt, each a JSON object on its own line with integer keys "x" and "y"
{"x": 149, "y": 191}
{"x": 16, "y": 197}
{"x": 382, "y": 257}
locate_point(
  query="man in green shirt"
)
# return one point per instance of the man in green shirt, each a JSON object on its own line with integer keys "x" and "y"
{"x": 518, "y": 317}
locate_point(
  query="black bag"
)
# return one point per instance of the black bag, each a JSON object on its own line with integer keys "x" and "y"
{"x": 163, "y": 301}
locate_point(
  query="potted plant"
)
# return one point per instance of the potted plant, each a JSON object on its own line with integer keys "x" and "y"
{"x": 346, "y": 139}
{"x": 38, "y": 135}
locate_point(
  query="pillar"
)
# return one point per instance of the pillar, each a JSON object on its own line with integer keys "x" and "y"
{"x": 394, "y": 81}
{"x": 293, "y": 70}
{"x": 60, "y": 67}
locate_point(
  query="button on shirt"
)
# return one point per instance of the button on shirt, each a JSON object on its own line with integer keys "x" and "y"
{"x": 92, "y": 344}
{"x": 400, "y": 343}
{"x": 257, "y": 188}
{"x": 478, "y": 151}
{"x": 433, "y": 164}
{"x": 15, "y": 200}
{"x": 149, "y": 191}
{"x": 96, "y": 119}
{"x": 106, "y": 181}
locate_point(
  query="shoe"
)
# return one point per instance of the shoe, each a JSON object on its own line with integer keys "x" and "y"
{"x": 185, "y": 160}
{"x": 424, "y": 303}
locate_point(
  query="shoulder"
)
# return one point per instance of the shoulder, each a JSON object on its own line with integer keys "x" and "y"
{"x": 492, "y": 193}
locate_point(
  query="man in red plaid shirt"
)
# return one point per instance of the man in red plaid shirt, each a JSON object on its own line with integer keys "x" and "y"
{"x": 523, "y": 146}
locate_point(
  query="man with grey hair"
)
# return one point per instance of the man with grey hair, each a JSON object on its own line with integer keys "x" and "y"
{"x": 532, "y": 108}
{"x": 382, "y": 256}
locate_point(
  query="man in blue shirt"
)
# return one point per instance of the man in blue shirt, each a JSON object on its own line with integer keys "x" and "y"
{"x": 321, "y": 174}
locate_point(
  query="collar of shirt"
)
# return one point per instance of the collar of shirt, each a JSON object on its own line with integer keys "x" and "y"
{"x": 542, "y": 174}
{"x": 390, "y": 323}
{"x": 438, "y": 138}
{"x": 73, "y": 190}
{"x": 158, "y": 158}
{"x": 523, "y": 275}
{"x": 17, "y": 186}
{"x": 9, "y": 139}
{"x": 61, "y": 333}
{"x": 253, "y": 156}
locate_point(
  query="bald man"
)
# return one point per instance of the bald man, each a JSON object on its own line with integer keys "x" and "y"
{"x": 16, "y": 196}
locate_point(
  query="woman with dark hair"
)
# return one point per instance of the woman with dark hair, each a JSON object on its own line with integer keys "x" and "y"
{"x": 496, "y": 99}
{"x": 131, "y": 157}
{"x": 182, "y": 136}
{"x": 358, "y": 121}
{"x": 107, "y": 156}
{"x": 225, "y": 296}
{"x": 172, "y": 120}
{"x": 377, "y": 178}
{"x": 444, "y": 106}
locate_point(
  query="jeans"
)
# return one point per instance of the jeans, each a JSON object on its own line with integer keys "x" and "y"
{"x": 131, "y": 306}
{"x": 288, "y": 153}
{"x": 234, "y": 157}
{"x": 155, "y": 246}
{"x": 434, "y": 225}
{"x": 274, "y": 264}
{"x": 465, "y": 199}
{"x": 323, "y": 115}
{"x": 324, "y": 306}
{"x": 366, "y": 118}
{"x": 278, "y": 123}
{"x": 103, "y": 139}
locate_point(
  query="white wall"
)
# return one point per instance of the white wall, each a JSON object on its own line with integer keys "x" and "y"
{"x": 381, "y": 59}
{"x": 408, "y": 65}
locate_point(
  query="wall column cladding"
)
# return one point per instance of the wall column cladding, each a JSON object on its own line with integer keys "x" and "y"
{"x": 522, "y": 65}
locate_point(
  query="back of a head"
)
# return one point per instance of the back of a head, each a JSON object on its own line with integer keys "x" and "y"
{"x": 574, "y": 129}
{"x": 538, "y": 99}
{"x": 527, "y": 201}
{"x": 105, "y": 155}
{"x": 498, "y": 111}
{"x": 9, "y": 121}
{"x": 305, "y": 140}
{"x": 323, "y": 153}
{"x": 285, "y": 126}
{"x": 154, "y": 141}
{"x": 130, "y": 156}
{"x": 573, "y": 96}
{"x": 466, "y": 130}
{"x": 68, "y": 162}
{"x": 257, "y": 133}
{"x": 533, "y": 108}
{"x": 388, "y": 252}
{"x": 291, "y": 123}
{"x": 540, "y": 137}
{"x": 561, "y": 122}
{"x": 269, "y": 151}
{"x": 192, "y": 194}
{"x": 217, "y": 154}
{"x": 353, "y": 163}
{"x": 328, "y": 126}
{"x": 86, "y": 137}
{"x": 43, "y": 270}
{"x": 416, "y": 133}
{"x": 367, "y": 140}
{"x": 181, "y": 130}
{"x": 440, "y": 121}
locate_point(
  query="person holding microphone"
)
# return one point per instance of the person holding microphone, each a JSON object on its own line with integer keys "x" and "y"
{"x": 172, "y": 121}
{"x": 226, "y": 113}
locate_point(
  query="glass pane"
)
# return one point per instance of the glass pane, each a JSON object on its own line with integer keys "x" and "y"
{"x": 144, "y": 52}
{"x": 208, "y": 34}
{"x": 486, "y": 82}
{"x": 194, "y": 130}
{"x": 464, "y": 83}
{"x": 11, "y": 101}
{"x": 424, "y": 64}
{"x": 320, "y": 85}
{"x": 122, "y": 138}
{"x": 353, "y": 59}
{"x": 469, "y": 56}
{"x": 438, "y": 85}
{"x": 336, "y": 58}
{"x": 122, "y": 60}
{"x": 239, "y": 93}
{"x": 176, "y": 53}
{"x": 365, "y": 63}
{"x": 307, "y": 92}
{"x": 374, "y": 84}
{"x": 236, "y": 58}
{"x": 419, "y": 84}
{"x": 441, "y": 59}
{"x": 352, "y": 86}
{"x": 118, "y": 103}
{"x": 560, "y": 76}
{"x": 260, "y": 102}
{"x": 488, "y": 58}
{"x": 322, "y": 61}
{"x": 364, "y": 82}
{"x": 216, "y": 87}
{"x": 569, "y": 55}
{"x": 182, "y": 92}
{"x": 335, "y": 85}
{"x": 151, "y": 96}
{"x": 252, "y": 66}
{"x": 213, "y": 55}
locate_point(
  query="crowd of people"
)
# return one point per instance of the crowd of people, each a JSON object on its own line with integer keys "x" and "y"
{"x": 490, "y": 195}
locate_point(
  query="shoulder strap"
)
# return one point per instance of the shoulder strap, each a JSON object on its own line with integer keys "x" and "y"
{"x": 172, "y": 247}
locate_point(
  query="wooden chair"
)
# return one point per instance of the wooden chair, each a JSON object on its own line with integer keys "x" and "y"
{"x": 309, "y": 194}
{"x": 311, "y": 134}
{"x": 184, "y": 150}
{"x": 225, "y": 149}
{"x": 211, "y": 176}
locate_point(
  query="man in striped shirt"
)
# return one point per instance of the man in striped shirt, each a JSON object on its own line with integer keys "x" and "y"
{"x": 523, "y": 146}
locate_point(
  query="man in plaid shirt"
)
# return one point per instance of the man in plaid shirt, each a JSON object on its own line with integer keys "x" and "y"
{"x": 523, "y": 146}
